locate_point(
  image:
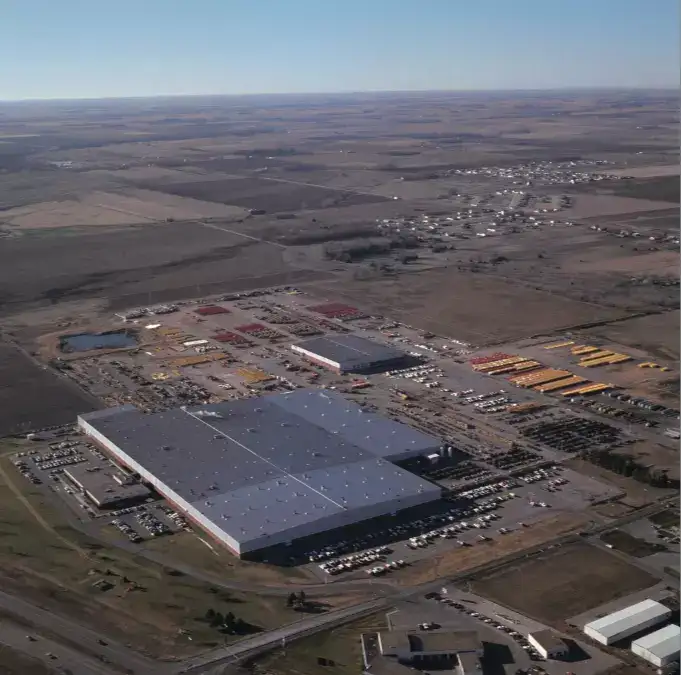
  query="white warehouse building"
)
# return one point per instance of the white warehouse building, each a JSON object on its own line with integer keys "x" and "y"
{"x": 627, "y": 621}
{"x": 659, "y": 648}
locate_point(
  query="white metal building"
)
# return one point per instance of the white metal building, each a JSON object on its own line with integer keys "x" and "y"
{"x": 548, "y": 644}
{"x": 659, "y": 648}
{"x": 627, "y": 621}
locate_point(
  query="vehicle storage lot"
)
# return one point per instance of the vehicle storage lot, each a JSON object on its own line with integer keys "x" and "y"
{"x": 446, "y": 533}
{"x": 37, "y": 397}
{"x": 558, "y": 584}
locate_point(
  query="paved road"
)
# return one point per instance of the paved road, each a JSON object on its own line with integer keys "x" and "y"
{"x": 51, "y": 652}
{"x": 256, "y": 643}
{"x": 71, "y": 634}
{"x": 131, "y": 662}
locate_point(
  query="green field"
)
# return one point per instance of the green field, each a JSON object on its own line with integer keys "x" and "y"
{"x": 341, "y": 645}
{"x": 158, "y": 611}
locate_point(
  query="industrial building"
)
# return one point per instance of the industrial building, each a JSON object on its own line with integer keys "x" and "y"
{"x": 659, "y": 648}
{"x": 256, "y": 473}
{"x": 349, "y": 354}
{"x": 627, "y": 621}
{"x": 106, "y": 489}
{"x": 548, "y": 644}
{"x": 432, "y": 645}
{"x": 399, "y": 652}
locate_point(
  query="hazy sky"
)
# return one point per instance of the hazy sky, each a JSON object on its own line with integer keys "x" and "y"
{"x": 99, "y": 48}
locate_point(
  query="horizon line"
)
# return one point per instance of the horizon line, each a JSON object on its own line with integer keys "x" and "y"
{"x": 349, "y": 92}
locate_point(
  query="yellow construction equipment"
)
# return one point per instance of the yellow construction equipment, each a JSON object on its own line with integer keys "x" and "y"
{"x": 198, "y": 359}
{"x": 584, "y": 349}
{"x": 560, "y": 384}
{"x": 610, "y": 360}
{"x": 492, "y": 365}
{"x": 596, "y": 355}
{"x": 541, "y": 377}
{"x": 519, "y": 408}
{"x": 527, "y": 365}
{"x": 558, "y": 345}
{"x": 590, "y": 389}
{"x": 253, "y": 375}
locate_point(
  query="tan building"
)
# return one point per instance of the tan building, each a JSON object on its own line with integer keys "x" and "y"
{"x": 548, "y": 644}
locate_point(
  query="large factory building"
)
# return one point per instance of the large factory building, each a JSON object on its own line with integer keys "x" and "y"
{"x": 255, "y": 473}
{"x": 349, "y": 354}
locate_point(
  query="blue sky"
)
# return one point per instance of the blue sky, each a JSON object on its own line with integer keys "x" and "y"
{"x": 100, "y": 48}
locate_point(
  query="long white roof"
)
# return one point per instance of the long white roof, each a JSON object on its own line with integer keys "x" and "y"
{"x": 629, "y": 617}
{"x": 662, "y": 643}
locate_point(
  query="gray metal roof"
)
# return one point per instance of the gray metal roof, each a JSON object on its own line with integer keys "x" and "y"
{"x": 629, "y": 617}
{"x": 258, "y": 466}
{"x": 102, "y": 486}
{"x": 374, "y": 433}
{"x": 662, "y": 643}
{"x": 351, "y": 351}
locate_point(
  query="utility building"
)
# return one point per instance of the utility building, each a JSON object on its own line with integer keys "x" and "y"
{"x": 548, "y": 644}
{"x": 659, "y": 648}
{"x": 627, "y": 621}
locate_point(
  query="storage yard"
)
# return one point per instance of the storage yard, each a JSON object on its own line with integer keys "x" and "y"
{"x": 483, "y": 440}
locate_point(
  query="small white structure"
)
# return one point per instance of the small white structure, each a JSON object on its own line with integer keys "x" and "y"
{"x": 194, "y": 343}
{"x": 548, "y": 644}
{"x": 659, "y": 648}
{"x": 627, "y": 621}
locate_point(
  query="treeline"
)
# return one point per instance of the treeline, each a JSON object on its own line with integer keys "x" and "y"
{"x": 229, "y": 623}
{"x": 626, "y": 465}
{"x": 332, "y": 235}
{"x": 368, "y": 249}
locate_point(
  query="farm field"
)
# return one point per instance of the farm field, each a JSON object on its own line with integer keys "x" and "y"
{"x": 271, "y": 195}
{"x": 472, "y": 308}
{"x": 657, "y": 333}
{"x": 112, "y": 262}
{"x": 552, "y": 587}
{"x": 37, "y": 397}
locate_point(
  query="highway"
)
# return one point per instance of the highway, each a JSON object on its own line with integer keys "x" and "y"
{"x": 74, "y": 638}
{"x": 83, "y": 643}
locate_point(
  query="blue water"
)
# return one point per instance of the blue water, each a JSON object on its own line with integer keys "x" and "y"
{"x": 84, "y": 342}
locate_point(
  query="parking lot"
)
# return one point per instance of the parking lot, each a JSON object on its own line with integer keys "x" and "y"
{"x": 475, "y": 516}
{"x": 44, "y": 465}
{"x": 502, "y": 632}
